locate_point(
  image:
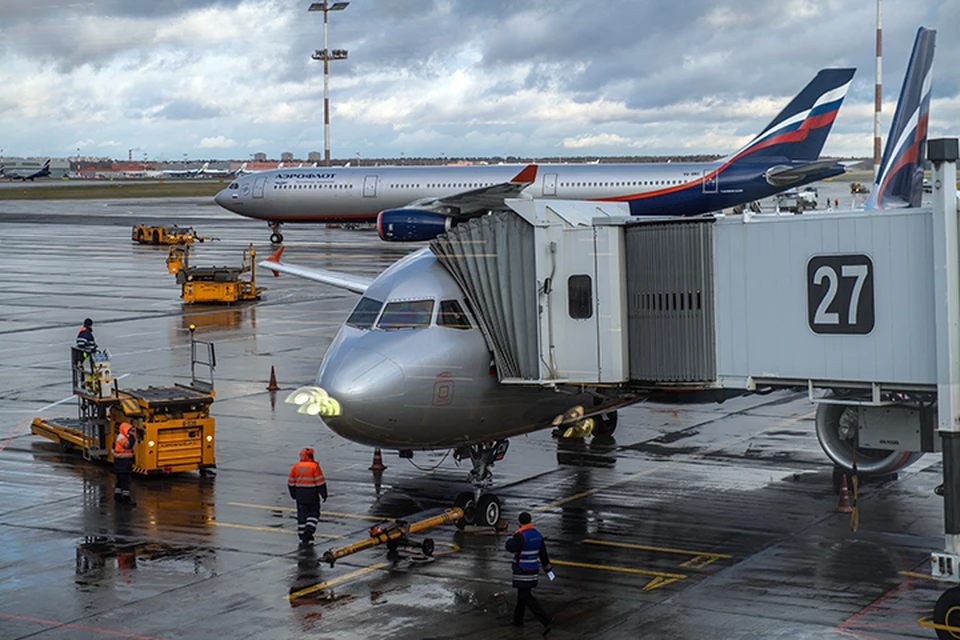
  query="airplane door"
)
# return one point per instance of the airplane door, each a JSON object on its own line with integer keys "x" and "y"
{"x": 550, "y": 184}
{"x": 370, "y": 186}
{"x": 710, "y": 181}
{"x": 258, "y": 186}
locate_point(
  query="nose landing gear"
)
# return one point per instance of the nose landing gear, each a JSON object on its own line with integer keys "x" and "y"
{"x": 479, "y": 507}
{"x": 276, "y": 237}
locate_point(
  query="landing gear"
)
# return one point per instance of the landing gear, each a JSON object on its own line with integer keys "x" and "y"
{"x": 479, "y": 507}
{"x": 276, "y": 237}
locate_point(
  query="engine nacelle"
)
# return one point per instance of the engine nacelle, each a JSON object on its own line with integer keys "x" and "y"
{"x": 890, "y": 439}
{"x": 411, "y": 225}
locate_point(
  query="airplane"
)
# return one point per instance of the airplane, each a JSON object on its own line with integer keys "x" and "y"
{"x": 186, "y": 173}
{"x": 206, "y": 172}
{"x": 419, "y": 203}
{"x": 24, "y": 175}
{"x": 410, "y": 368}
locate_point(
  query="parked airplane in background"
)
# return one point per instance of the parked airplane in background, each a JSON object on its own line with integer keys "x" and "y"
{"x": 411, "y": 369}
{"x": 418, "y": 203}
{"x": 207, "y": 172}
{"x": 26, "y": 174}
{"x": 186, "y": 173}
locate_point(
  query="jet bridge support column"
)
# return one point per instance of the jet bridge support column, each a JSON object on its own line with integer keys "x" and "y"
{"x": 943, "y": 154}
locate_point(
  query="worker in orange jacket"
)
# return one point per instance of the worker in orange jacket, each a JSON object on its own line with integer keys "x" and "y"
{"x": 123, "y": 463}
{"x": 308, "y": 487}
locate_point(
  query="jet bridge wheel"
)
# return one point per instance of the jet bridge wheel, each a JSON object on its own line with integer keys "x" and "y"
{"x": 947, "y": 612}
{"x": 836, "y": 427}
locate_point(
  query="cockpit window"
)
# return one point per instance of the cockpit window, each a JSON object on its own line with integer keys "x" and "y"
{"x": 409, "y": 314}
{"x": 365, "y": 313}
{"x": 452, "y": 315}
{"x": 233, "y": 185}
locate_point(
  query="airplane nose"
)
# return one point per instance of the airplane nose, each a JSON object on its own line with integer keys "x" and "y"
{"x": 366, "y": 384}
{"x": 223, "y": 198}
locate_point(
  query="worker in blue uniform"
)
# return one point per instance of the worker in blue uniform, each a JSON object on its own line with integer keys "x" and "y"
{"x": 85, "y": 339}
{"x": 530, "y": 553}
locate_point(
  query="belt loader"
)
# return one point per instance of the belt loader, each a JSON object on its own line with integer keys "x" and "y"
{"x": 174, "y": 429}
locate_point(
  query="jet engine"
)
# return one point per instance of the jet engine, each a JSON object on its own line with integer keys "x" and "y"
{"x": 888, "y": 436}
{"x": 411, "y": 225}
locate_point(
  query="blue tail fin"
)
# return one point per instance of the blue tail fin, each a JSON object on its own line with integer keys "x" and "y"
{"x": 798, "y": 132}
{"x": 900, "y": 181}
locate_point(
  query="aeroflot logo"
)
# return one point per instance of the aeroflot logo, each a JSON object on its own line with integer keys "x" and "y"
{"x": 307, "y": 176}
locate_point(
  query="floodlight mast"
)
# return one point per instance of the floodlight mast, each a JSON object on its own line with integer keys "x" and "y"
{"x": 327, "y": 55}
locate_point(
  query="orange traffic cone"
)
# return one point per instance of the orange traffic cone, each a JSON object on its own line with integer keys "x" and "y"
{"x": 273, "y": 386}
{"x": 844, "y": 505}
{"x": 377, "y": 461}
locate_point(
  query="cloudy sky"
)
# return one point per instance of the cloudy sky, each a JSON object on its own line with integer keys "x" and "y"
{"x": 542, "y": 78}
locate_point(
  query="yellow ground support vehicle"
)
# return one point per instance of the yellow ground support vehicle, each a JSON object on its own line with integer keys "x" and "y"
{"x": 174, "y": 429}
{"x": 162, "y": 234}
{"x": 214, "y": 284}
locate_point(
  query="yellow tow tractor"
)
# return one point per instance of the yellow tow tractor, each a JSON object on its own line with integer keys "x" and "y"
{"x": 167, "y": 235}
{"x": 173, "y": 426}
{"x": 214, "y": 284}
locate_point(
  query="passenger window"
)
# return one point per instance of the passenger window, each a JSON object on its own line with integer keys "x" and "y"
{"x": 580, "y": 297}
{"x": 452, "y": 315}
{"x": 414, "y": 314}
{"x": 365, "y": 313}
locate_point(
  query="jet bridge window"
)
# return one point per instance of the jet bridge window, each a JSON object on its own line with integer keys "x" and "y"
{"x": 407, "y": 314}
{"x": 580, "y": 297}
{"x": 452, "y": 315}
{"x": 365, "y": 313}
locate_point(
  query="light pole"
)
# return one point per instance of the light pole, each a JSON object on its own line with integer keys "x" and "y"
{"x": 327, "y": 55}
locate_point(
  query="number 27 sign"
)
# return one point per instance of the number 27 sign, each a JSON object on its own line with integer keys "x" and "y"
{"x": 840, "y": 294}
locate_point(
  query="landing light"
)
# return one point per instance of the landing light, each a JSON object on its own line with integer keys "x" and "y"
{"x": 314, "y": 401}
{"x": 151, "y": 443}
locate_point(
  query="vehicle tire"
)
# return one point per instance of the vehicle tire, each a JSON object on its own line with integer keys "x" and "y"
{"x": 392, "y": 545}
{"x": 488, "y": 510}
{"x": 465, "y": 501}
{"x": 140, "y": 236}
{"x": 947, "y": 611}
{"x": 428, "y": 546}
{"x": 156, "y": 237}
{"x": 605, "y": 424}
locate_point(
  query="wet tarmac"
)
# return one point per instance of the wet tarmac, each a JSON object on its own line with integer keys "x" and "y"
{"x": 693, "y": 521}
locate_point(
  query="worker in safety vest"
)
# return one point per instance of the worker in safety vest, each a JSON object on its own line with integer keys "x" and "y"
{"x": 85, "y": 339}
{"x": 308, "y": 487}
{"x": 530, "y": 554}
{"x": 123, "y": 463}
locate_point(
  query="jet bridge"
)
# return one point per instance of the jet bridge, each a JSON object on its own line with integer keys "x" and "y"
{"x": 862, "y": 308}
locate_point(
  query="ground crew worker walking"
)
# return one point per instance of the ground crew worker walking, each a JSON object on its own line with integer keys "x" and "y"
{"x": 308, "y": 487}
{"x": 85, "y": 339}
{"x": 530, "y": 554}
{"x": 123, "y": 463}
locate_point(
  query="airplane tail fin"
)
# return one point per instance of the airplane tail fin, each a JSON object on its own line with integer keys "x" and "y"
{"x": 900, "y": 181}
{"x": 799, "y": 131}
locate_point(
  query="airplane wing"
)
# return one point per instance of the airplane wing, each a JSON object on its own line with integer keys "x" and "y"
{"x": 346, "y": 281}
{"x": 784, "y": 176}
{"x": 468, "y": 204}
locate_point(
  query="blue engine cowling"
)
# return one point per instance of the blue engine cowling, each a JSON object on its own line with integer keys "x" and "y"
{"x": 411, "y": 225}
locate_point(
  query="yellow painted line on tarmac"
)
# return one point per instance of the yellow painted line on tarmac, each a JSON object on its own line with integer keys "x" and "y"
{"x": 323, "y": 512}
{"x": 660, "y": 465}
{"x": 660, "y": 578}
{"x": 272, "y": 529}
{"x": 698, "y": 560}
{"x": 330, "y": 583}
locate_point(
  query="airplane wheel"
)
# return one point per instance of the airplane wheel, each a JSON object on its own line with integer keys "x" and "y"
{"x": 947, "y": 612}
{"x": 488, "y": 510}
{"x": 465, "y": 501}
{"x": 275, "y": 238}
